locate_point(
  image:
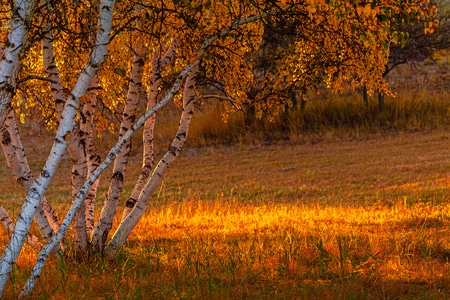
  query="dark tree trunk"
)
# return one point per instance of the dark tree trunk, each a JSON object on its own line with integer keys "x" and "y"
{"x": 365, "y": 96}
{"x": 381, "y": 101}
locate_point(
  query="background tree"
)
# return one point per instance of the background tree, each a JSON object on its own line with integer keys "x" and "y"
{"x": 417, "y": 43}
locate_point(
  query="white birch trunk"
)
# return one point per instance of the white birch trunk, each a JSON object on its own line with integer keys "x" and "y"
{"x": 93, "y": 158}
{"x": 45, "y": 251}
{"x": 22, "y": 12}
{"x": 158, "y": 65}
{"x": 16, "y": 160}
{"x": 52, "y": 73}
{"x": 79, "y": 172}
{"x": 32, "y": 240}
{"x": 127, "y": 225}
{"x": 76, "y": 146}
{"x": 105, "y": 221}
{"x": 16, "y": 143}
{"x": 11, "y": 125}
{"x": 65, "y": 128}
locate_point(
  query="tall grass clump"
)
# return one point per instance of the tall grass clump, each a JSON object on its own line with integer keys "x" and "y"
{"x": 213, "y": 126}
{"x": 349, "y": 114}
{"x": 325, "y": 116}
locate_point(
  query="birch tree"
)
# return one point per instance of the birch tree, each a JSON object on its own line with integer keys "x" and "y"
{"x": 129, "y": 115}
{"x": 158, "y": 65}
{"x": 189, "y": 71}
{"x": 65, "y": 128}
{"x": 21, "y": 15}
{"x": 130, "y": 221}
{"x": 92, "y": 155}
{"x": 17, "y": 162}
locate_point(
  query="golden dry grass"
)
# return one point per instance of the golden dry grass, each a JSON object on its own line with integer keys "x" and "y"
{"x": 365, "y": 219}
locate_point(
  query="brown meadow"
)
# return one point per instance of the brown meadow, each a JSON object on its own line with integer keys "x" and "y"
{"x": 361, "y": 219}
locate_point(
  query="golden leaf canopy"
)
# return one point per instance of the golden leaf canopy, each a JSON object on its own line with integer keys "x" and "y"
{"x": 287, "y": 44}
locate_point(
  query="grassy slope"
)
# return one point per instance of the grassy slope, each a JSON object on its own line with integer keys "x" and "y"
{"x": 364, "y": 219}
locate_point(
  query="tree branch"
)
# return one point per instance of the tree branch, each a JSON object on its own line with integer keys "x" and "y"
{"x": 31, "y": 77}
{"x": 220, "y": 97}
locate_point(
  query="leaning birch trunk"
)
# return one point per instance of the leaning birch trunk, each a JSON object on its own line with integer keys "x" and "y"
{"x": 45, "y": 251}
{"x": 76, "y": 146}
{"x": 52, "y": 73}
{"x": 32, "y": 240}
{"x": 49, "y": 66}
{"x": 105, "y": 221}
{"x": 65, "y": 128}
{"x": 79, "y": 172}
{"x": 158, "y": 65}
{"x": 92, "y": 156}
{"x": 16, "y": 143}
{"x": 21, "y": 15}
{"x": 51, "y": 218}
{"x": 136, "y": 214}
{"x": 12, "y": 146}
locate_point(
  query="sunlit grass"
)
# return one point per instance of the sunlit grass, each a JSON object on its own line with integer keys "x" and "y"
{"x": 209, "y": 249}
{"x": 365, "y": 218}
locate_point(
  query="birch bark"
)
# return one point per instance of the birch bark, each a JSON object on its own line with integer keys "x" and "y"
{"x": 76, "y": 146}
{"x": 32, "y": 240}
{"x": 136, "y": 214}
{"x": 65, "y": 128}
{"x": 26, "y": 178}
{"x": 158, "y": 65}
{"x": 105, "y": 221}
{"x": 52, "y": 73}
{"x": 20, "y": 18}
{"x": 92, "y": 155}
{"x": 77, "y": 152}
{"x": 17, "y": 162}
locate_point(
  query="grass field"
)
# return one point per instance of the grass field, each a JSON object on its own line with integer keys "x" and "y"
{"x": 360, "y": 219}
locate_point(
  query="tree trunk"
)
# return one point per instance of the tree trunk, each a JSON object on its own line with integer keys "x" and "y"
{"x": 77, "y": 152}
{"x": 21, "y": 15}
{"x": 136, "y": 214}
{"x": 52, "y": 73}
{"x": 365, "y": 96}
{"x": 105, "y": 221}
{"x": 32, "y": 240}
{"x": 65, "y": 128}
{"x": 16, "y": 160}
{"x": 93, "y": 158}
{"x": 381, "y": 101}
{"x": 158, "y": 65}
{"x": 250, "y": 119}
